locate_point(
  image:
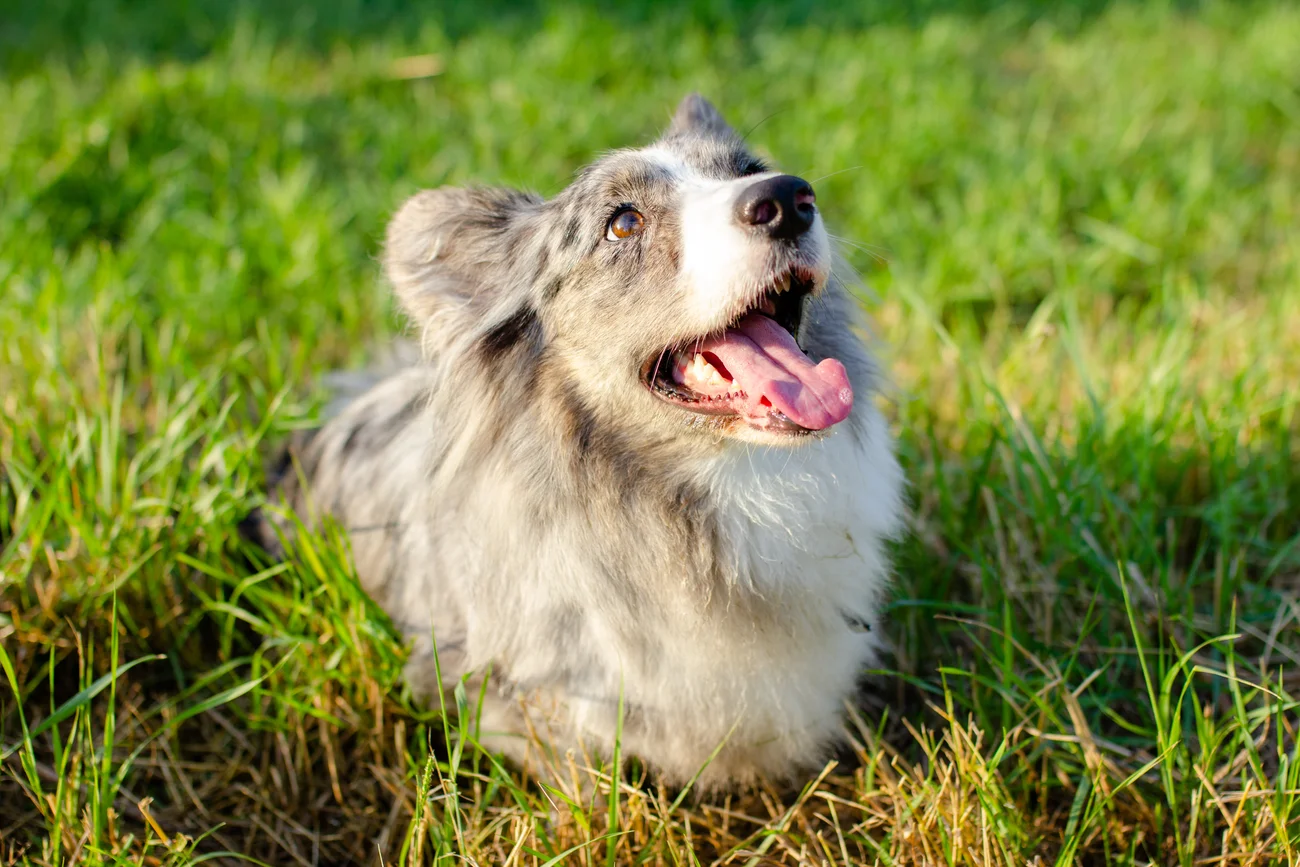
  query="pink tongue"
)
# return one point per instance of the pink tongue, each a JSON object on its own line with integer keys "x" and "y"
{"x": 765, "y": 363}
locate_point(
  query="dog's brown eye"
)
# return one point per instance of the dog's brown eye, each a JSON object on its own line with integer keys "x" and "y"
{"x": 625, "y": 224}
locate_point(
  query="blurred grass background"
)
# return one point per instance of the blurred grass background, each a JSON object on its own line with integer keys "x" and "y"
{"x": 1078, "y": 223}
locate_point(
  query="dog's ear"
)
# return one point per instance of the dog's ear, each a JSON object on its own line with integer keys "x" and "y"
{"x": 697, "y": 116}
{"x": 451, "y": 253}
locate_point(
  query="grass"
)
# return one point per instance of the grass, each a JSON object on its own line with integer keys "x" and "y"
{"x": 1079, "y": 223}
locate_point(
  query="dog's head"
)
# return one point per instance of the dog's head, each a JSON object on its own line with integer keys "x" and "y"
{"x": 666, "y": 287}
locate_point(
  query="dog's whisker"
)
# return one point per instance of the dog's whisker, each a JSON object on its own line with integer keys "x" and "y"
{"x": 833, "y": 174}
{"x": 870, "y": 249}
{"x": 750, "y": 131}
{"x": 658, "y": 361}
{"x": 861, "y": 245}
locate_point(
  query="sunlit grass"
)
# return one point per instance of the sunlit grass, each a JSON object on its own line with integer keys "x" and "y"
{"x": 1079, "y": 230}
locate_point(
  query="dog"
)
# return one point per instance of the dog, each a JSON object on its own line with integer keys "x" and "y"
{"x": 636, "y": 478}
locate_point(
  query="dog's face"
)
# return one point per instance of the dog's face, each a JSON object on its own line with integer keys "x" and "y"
{"x": 665, "y": 288}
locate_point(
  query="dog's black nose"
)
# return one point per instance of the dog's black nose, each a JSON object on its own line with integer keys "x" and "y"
{"x": 781, "y": 207}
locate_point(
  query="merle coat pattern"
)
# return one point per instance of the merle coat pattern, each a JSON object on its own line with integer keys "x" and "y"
{"x": 522, "y": 497}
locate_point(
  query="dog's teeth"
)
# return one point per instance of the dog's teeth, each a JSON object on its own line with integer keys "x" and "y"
{"x": 706, "y": 373}
{"x": 784, "y": 284}
{"x": 700, "y": 368}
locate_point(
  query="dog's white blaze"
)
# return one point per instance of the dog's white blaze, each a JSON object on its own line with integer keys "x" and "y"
{"x": 719, "y": 260}
{"x": 722, "y": 262}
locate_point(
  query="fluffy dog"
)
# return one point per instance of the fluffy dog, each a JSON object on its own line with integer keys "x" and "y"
{"x": 637, "y": 465}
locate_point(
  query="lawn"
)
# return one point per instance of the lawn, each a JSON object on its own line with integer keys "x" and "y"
{"x": 1078, "y": 226}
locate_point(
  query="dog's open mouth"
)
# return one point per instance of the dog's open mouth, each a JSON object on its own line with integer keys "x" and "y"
{"x": 755, "y": 370}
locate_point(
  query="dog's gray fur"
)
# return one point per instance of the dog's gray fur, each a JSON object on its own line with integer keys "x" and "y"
{"x": 521, "y": 496}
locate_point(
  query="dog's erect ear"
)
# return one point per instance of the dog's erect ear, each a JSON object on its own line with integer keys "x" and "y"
{"x": 697, "y": 116}
{"x": 452, "y": 253}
